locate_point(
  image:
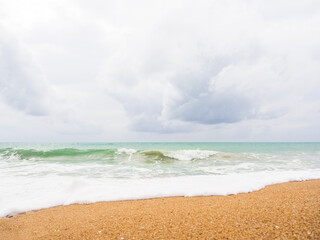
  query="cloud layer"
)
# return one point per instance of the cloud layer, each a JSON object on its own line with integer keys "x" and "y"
{"x": 213, "y": 62}
{"x": 196, "y": 71}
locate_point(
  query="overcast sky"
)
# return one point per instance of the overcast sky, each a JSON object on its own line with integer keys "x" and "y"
{"x": 159, "y": 70}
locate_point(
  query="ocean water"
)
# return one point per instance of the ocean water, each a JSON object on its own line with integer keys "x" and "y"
{"x": 35, "y": 176}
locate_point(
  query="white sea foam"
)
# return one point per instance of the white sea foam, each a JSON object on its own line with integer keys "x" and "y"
{"x": 47, "y": 191}
{"x": 187, "y": 155}
{"x": 128, "y": 151}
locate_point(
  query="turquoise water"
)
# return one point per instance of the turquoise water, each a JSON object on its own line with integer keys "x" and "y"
{"x": 224, "y": 147}
{"x": 38, "y": 175}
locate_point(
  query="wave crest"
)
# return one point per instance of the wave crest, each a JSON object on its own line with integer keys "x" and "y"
{"x": 63, "y": 152}
{"x": 188, "y": 155}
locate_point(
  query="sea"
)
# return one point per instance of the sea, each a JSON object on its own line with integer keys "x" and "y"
{"x": 40, "y": 175}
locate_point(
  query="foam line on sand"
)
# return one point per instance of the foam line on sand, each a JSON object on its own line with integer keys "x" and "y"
{"x": 285, "y": 211}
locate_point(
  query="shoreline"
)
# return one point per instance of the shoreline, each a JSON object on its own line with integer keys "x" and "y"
{"x": 285, "y": 210}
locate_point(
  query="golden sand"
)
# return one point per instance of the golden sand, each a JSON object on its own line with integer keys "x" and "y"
{"x": 282, "y": 211}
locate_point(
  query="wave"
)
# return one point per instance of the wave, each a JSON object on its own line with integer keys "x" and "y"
{"x": 63, "y": 152}
{"x": 100, "y": 155}
{"x": 182, "y": 155}
{"x": 154, "y": 154}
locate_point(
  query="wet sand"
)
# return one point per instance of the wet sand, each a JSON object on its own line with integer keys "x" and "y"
{"x": 281, "y": 211}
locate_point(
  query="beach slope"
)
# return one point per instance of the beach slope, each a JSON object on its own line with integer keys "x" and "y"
{"x": 284, "y": 211}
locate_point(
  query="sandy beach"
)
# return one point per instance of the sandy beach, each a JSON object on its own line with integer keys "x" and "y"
{"x": 282, "y": 211}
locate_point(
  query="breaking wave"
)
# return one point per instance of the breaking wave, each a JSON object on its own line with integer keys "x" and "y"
{"x": 183, "y": 155}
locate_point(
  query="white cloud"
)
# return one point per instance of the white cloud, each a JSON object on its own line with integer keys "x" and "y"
{"x": 199, "y": 70}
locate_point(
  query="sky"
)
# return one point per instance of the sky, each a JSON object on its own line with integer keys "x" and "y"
{"x": 208, "y": 70}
